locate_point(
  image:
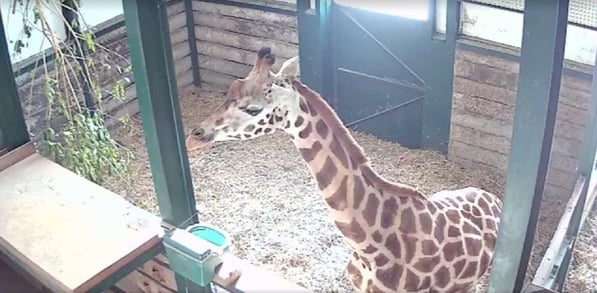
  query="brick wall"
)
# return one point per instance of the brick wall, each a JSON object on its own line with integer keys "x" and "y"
{"x": 482, "y": 118}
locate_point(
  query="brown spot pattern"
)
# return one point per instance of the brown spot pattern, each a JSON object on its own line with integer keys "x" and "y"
{"x": 407, "y": 222}
{"x": 442, "y": 277}
{"x": 440, "y": 225}
{"x": 370, "y": 249}
{"x": 258, "y": 131}
{"x": 310, "y": 153}
{"x": 459, "y": 266}
{"x": 426, "y": 283}
{"x": 469, "y": 229}
{"x": 370, "y": 211}
{"x": 340, "y": 153}
{"x": 388, "y": 213}
{"x": 219, "y": 122}
{"x": 484, "y": 264}
{"x": 355, "y": 275}
{"x": 299, "y": 121}
{"x": 427, "y": 264}
{"x": 453, "y": 231}
{"x": 470, "y": 270}
{"x": 410, "y": 247}
{"x": 326, "y": 174}
{"x": 453, "y": 216}
{"x": 381, "y": 260}
{"x": 453, "y": 250}
{"x": 393, "y": 245}
{"x": 322, "y": 129}
{"x": 390, "y": 276}
{"x": 377, "y": 236}
{"x": 428, "y": 247}
{"x": 418, "y": 204}
{"x": 312, "y": 110}
{"x": 431, "y": 207}
{"x": 249, "y": 128}
{"x": 358, "y": 191}
{"x": 352, "y": 230}
{"x": 412, "y": 281}
{"x": 473, "y": 246}
{"x": 426, "y": 223}
{"x": 338, "y": 201}
{"x": 303, "y": 107}
{"x": 306, "y": 131}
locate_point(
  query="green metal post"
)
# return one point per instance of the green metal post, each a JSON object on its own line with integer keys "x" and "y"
{"x": 151, "y": 56}
{"x": 585, "y": 168}
{"x": 13, "y": 127}
{"x": 314, "y": 51}
{"x": 541, "y": 63}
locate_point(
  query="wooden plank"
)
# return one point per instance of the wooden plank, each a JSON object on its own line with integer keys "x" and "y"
{"x": 246, "y": 27}
{"x": 282, "y": 49}
{"x": 159, "y": 271}
{"x": 226, "y": 52}
{"x": 246, "y": 13}
{"x": 175, "y": 8}
{"x": 177, "y": 21}
{"x": 216, "y": 78}
{"x": 14, "y": 280}
{"x": 181, "y": 66}
{"x": 9, "y": 159}
{"x": 224, "y": 66}
{"x": 51, "y": 219}
{"x": 181, "y": 50}
{"x": 477, "y": 154}
{"x": 179, "y": 36}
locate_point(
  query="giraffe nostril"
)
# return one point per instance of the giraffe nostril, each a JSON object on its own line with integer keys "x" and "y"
{"x": 198, "y": 132}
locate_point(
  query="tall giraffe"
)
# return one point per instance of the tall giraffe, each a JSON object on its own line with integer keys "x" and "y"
{"x": 401, "y": 240}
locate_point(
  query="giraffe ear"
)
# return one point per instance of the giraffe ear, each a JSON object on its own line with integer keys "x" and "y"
{"x": 290, "y": 67}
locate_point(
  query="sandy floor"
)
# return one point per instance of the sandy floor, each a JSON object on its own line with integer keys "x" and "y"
{"x": 260, "y": 191}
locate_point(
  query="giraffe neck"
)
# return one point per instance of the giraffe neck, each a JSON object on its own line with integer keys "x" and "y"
{"x": 352, "y": 190}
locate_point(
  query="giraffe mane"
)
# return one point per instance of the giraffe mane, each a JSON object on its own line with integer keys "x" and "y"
{"x": 355, "y": 151}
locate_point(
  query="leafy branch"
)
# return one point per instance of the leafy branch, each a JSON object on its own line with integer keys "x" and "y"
{"x": 73, "y": 83}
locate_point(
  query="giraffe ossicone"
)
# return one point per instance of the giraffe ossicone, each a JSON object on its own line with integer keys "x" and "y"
{"x": 402, "y": 241}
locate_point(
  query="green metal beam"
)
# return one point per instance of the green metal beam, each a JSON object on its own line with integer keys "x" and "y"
{"x": 585, "y": 168}
{"x": 13, "y": 128}
{"x": 542, "y": 56}
{"x": 153, "y": 67}
{"x": 314, "y": 52}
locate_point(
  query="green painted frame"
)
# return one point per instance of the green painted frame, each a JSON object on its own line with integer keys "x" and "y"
{"x": 155, "y": 80}
{"x": 542, "y": 59}
{"x": 13, "y": 128}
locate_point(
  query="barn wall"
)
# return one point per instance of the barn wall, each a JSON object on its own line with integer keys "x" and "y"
{"x": 228, "y": 38}
{"x": 31, "y": 83}
{"x": 482, "y": 117}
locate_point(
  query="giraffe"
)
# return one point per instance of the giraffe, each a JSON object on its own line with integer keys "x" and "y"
{"x": 401, "y": 241}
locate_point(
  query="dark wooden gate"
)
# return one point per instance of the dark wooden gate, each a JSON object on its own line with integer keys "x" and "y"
{"x": 387, "y": 75}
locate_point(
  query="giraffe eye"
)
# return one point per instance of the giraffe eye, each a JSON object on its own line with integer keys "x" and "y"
{"x": 252, "y": 110}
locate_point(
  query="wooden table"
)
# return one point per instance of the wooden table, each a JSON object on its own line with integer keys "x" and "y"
{"x": 66, "y": 232}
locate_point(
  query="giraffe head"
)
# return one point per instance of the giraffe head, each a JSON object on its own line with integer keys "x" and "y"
{"x": 256, "y": 105}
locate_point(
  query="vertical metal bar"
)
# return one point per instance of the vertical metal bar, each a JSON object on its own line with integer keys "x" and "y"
{"x": 586, "y": 161}
{"x": 188, "y": 4}
{"x": 12, "y": 121}
{"x": 151, "y": 57}
{"x": 541, "y": 63}
{"x": 313, "y": 23}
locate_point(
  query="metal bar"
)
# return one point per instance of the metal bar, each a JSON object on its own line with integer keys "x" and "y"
{"x": 155, "y": 80}
{"x": 542, "y": 58}
{"x": 586, "y": 169}
{"x": 12, "y": 122}
{"x": 550, "y": 264}
{"x": 188, "y": 4}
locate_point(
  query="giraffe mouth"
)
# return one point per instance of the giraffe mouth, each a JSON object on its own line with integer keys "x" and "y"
{"x": 193, "y": 143}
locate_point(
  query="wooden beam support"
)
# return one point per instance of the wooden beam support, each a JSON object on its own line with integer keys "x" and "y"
{"x": 188, "y": 6}
{"x": 12, "y": 121}
{"x": 542, "y": 56}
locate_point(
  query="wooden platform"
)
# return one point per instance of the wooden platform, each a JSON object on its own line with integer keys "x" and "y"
{"x": 65, "y": 231}
{"x": 11, "y": 281}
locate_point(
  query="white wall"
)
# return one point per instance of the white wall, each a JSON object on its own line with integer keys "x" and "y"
{"x": 94, "y": 12}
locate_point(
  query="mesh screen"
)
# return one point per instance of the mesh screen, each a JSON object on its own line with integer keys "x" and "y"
{"x": 582, "y": 12}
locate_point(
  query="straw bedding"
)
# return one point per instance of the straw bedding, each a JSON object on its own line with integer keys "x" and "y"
{"x": 261, "y": 192}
